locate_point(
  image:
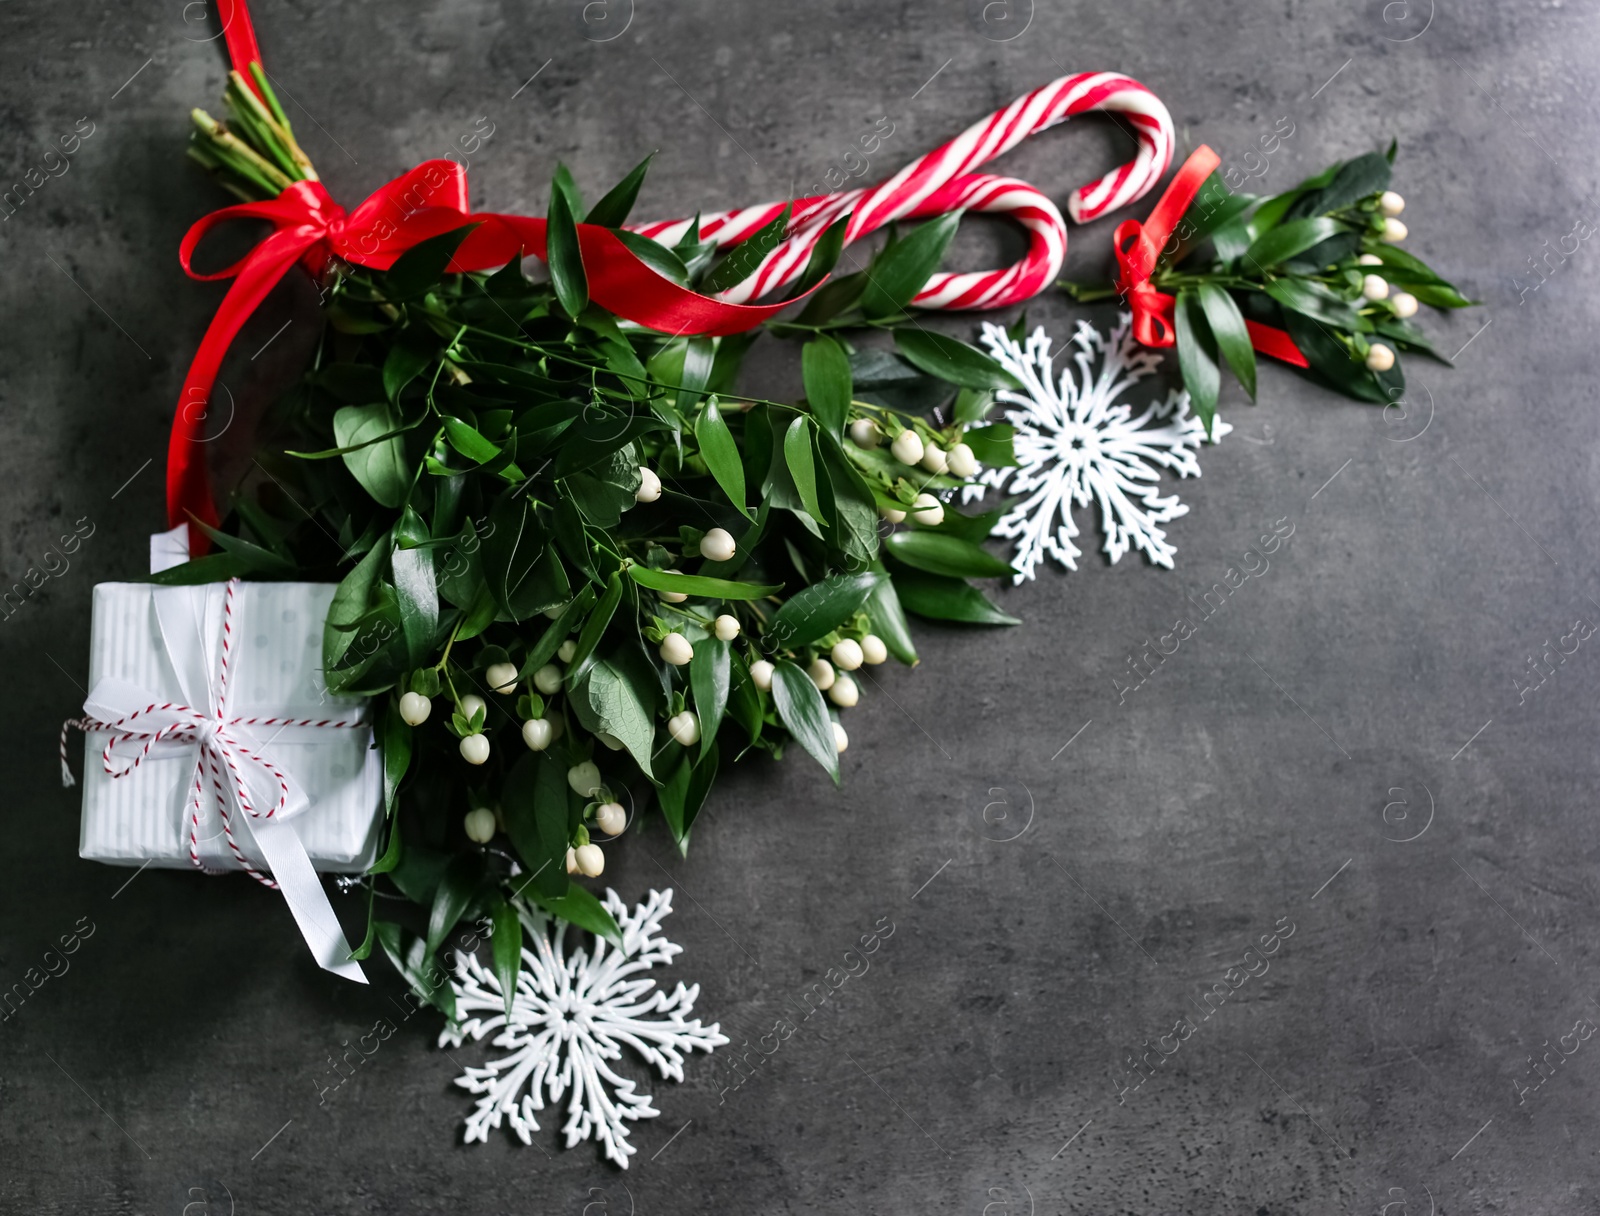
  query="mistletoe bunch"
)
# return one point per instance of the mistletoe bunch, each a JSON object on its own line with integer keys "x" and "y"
{"x": 1320, "y": 261}
{"x": 577, "y": 569}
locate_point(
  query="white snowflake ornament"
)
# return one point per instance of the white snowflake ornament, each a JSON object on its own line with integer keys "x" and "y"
{"x": 571, "y": 1014}
{"x": 1076, "y": 441}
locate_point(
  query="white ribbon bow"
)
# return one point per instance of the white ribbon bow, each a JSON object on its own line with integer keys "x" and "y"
{"x": 232, "y": 770}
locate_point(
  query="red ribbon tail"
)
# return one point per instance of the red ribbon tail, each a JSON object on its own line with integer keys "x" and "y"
{"x": 1270, "y": 340}
{"x": 240, "y": 36}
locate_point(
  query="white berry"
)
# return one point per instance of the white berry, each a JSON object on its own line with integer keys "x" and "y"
{"x": 547, "y": 679}
{"x": 1380, "y": 358}
{"x": 610, "y": 818}
{"x": 537, "y": 734}
{"x": 685, "y": 728}
{"x": 907, "y": 447}
{"x": 470, "y": 705}
{"x": 873, "y": 650}
{"x": 933, "y": 459}
{"x": 415, "y": 708}
{"x": 1391, "y": 203}
{"x": 845, "y": 692}
{"x": 1369, "y": 259}
{"x": 676, "y": 650}
{"x": 673, "y": 597}
{"x": 610, "y": 740}
{"x": 480, "y": 825}
{"x": 1404, "y": 304}
{"x": 847, "y": 655}
{"x": 821, "y": 673}
{"x": 864, "y": 433}
{"x": 566, "y": 650}
{"x": 475, "y": 749}
{"x": 584, "y": 778}
{"x": 572, "y": 860}
{"x": 1394, "y": 231}
{"x": 649, "y": 486}
{"x": 893, "y": 515}
{"x": 761, "y": 673}
{"x": 502, "y": 677}
{"x": 591, "y": 860}
{"x": 840, "y": 739}
{"x": 718, "y": 545}
{"x": 1375, "y": 287}
{"x": 962, "y": 462}
{"x": 727, "y": 627}
{"x": 928, "y": 511}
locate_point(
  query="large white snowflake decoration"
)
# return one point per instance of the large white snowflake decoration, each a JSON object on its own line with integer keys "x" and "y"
{"x": 571, "y": 1014}
{"x": 1076, "y": 441}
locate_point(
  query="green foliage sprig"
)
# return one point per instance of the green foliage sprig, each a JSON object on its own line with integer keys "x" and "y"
{"x": 1319, "y": 261}
{"x": 608, "y": 570}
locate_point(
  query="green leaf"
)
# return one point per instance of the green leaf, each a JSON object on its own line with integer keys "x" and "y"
{"x": 747, "y": 255}
{"x": 1290, "y": 238}
{"x": 506, "y": 944}
{"x": 1355, "y": 180}
{"x": 540, "y": 840}
{"x": 889, "y": 621}
{"x": 992, "y": 444}
{"x": 467, "y": 440}
{"x": 824, "y": 256}
{"x": 819, "y": 609}
{"x": 696, "y": 584}
{"x": 1197, "y": 358}
{"x": 710, "y": 677}
{"x": 803, "y": 711}
{"x": 455, "y": 891}
{"x": 396, "y": 756}
{"x": 417, "y": 968}
{"x": 721, "y": 454}
{"x": 350, "y": 602}
{"x": 563, "y": 256}
{"x": 419, "y": 601}
{"x": 802, "y": 466}
{"x": 943, "y": 553}
{"x": 378, "y": 459}
{"x": 1227, "y": 326}
{"x": 612, "y": 210}
{"x": 623, "y": 708}
{"x": 1213, "y": 207}
{"x": 1332, "y": 362}
{"x": 524, "y": 576}
{"x": 1440, "y": 295}
{"x": 900, "y": 271}
{"x": 563, "y": 181}
{"x": 424, "y": 264}
{"x": 952, "y": 360}
{"x": 406, "y": 360}
{"x": 656, "y": 256}
{"x": 947, "y": 599}
{"x": 594, "y": 629}
{"x": 1318, "y": 303}
{"x": 582, "y": 909}
{"x": 825, "y": 368}
{"x": 971, "y": 405}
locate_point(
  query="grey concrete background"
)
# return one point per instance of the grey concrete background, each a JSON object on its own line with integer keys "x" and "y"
{"x": 1361, "y": 688}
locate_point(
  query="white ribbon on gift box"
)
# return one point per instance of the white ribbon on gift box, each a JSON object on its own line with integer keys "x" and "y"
{"x": 228, "y": 751}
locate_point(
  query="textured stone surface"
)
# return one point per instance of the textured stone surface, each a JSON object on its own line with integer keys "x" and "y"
{"x": 1247, "y": 780}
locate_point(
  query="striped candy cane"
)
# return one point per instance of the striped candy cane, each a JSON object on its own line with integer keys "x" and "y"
{"x": 942, "y": 181}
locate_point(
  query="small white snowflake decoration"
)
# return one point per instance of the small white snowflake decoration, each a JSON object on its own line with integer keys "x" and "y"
{"x": 571, "y": 1014}
{"x": 1076, "y": 441}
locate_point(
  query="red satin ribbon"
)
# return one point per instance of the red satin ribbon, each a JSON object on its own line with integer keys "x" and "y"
{"x": 309, "y": 227}
{"x": 1139, "y": 245}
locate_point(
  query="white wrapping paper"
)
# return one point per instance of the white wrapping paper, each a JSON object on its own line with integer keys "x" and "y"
{"x": 163, "y": 644}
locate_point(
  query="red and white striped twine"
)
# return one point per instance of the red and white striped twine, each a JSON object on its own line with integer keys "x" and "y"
{"x": 942, "y": 182}
{"x": 218, "y": 747}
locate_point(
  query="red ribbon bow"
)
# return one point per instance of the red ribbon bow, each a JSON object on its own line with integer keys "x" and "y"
{"x": 309, "y": 227}
{"x": 1138, "y": 246}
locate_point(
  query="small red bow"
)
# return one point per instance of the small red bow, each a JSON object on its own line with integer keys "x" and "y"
{"x": 1139, "y": 245}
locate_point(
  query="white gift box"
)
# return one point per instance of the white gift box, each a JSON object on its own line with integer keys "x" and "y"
{"x": 257, "y": 767}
